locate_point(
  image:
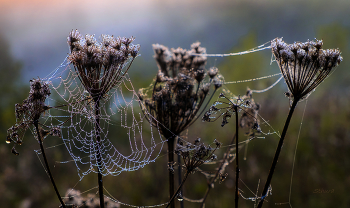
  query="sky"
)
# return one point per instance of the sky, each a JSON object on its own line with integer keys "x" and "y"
{"x": 37, "y": 29}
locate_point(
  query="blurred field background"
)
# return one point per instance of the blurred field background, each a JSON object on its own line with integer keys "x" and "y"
{"x": 33, "y": 43}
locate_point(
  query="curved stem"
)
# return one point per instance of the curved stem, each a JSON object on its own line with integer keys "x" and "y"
{"x": 47, "y": 164}
{"x": 278, "y": 151}
{"x": 98, "y": 152}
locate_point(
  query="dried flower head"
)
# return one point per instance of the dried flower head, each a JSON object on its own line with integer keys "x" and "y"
{"x": 100, "y": 65}
{"x": 249, "y": 118}
{"x": 179, "y": 89}
{"x": 29, "y": 112}
{"x": 225, "y": 108}
{"x": 304, "y": 65}
{"x": 196, "y": 154}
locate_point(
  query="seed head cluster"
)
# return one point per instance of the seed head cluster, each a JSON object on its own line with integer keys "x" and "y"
{"x": 249, "y": 119}
{"x": 196, "y": 154}
{"x": 179, "y": 89}
{"x": 100, "y": 65}
{"x": 304, "y": 65}
{"x": 30, "y": 111}
{"x": 225, "y": 108}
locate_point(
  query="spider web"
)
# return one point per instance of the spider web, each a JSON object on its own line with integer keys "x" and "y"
{"x": 72, "y": 110}
{"x": 74, "y": 114}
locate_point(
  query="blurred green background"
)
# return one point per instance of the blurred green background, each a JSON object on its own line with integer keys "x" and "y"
{"x": 33, "y": 43}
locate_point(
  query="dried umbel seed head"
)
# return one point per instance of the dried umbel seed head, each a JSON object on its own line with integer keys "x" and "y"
{"x": 249, "y": 119}
{"x": 304, "y": 66}
{"x": 213, "y": 71}
{"x": 29, "y": 111}
{"x": 73, "y": 40}
{"x": 225, "y": 107}
{"x": 100, "y": 66}
{"x": 180, "y": 88}
{"x": 196, "y": 154}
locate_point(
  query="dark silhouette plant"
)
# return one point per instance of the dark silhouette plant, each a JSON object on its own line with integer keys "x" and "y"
{"x": 304, "y": 67}
{"x": 224, "y": 108}
{"x": 178, "y": 95}
{"x": 100, "y": 67}
{"x": 27, "y": 114}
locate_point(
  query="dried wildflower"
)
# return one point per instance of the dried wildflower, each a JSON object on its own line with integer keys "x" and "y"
{"x": 193, "y": 156}
{"x": 226, "y": 107}
{"x": 180, "y": 89}
{"x": 178, "y": 93}
{"x": 249, "y": 118}
{"x": 100, "y": 65}
{"x": 29, "y": 111}
{"x": 304, "y": 66}
{"x": 196, "y": 154}
{"x": 213, "y": 71}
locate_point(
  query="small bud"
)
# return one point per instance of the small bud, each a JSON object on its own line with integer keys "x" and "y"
{"x": 217, "y": 83}
{"x": 196, "y": 142}
{"x": 213, "y": 71}
{"x": 199, "y": 75}
{"x": 134, "y": 50}
{"x": 127, "y": 41}
{"x": 14, "y": 151}
{"x": 206, "y": 116}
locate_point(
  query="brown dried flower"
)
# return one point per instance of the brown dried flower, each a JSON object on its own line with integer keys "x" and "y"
{"x": 225, "y": 107}
{"x": 196, "y": 154}
{"x": 100, "y": 65}
{"x": 304, "y": 66}
{"x": 179, "y": 90}
{"x": 29, "y": 111}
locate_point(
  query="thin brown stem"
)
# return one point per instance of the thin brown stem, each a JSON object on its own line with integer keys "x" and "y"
{"x": 171, "y": 173}
{"x": 178, "y": 189}
{"x": 98, "y": 152}
{"x": 224, "y": 161}
{"x": 179, "y": 178}
{"x": 47, "y": 164}
{"x": 237, "y": 162}
{"x": 278, "y": 151}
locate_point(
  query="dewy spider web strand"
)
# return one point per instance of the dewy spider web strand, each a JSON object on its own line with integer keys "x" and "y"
{"x": 256, "y": 49}
{"x": 294, "y": 158}
{"x": 78, "y": 118}
{"x": 77, "y": 125}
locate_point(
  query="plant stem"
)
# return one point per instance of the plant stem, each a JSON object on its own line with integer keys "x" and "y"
{"x": 171, "y": 173}
{"x": 179, "y": 178}
{"x": 224, "y": 160}
{"x": 237, "y": 162}
{"x": 46, "y": 163}
{"x": 278, "y": 151}
{"x": 98, "y": 152}
{"x": 178, "y": 189}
